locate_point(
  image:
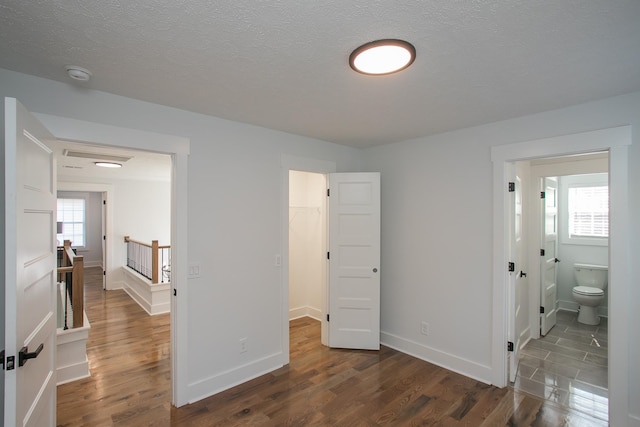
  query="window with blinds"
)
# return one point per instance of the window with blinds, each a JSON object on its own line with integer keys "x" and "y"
{"x": 71, "y": 212}
{"x": 589, "y": 211}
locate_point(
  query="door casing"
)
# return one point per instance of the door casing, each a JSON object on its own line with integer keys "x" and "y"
{"x": 615, "y": 141}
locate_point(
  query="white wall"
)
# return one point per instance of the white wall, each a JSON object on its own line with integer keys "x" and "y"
{"x": 141, "y": 210}
{"x": 307, "y": 193}
{"x": 92, "y": 251}
{"x": 436, "y": 227}
{"x": 437, "y": 235}
{"x": 235, "y": 200}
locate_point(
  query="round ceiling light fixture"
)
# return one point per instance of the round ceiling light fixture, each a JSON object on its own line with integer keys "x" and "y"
{"x": 108, "y": 164}
{"x": 78, "y": 73}
{"x": 382, "y": 57}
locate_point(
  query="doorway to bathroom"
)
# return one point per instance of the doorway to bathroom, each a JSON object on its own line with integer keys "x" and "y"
{"x": 563, "y": 360}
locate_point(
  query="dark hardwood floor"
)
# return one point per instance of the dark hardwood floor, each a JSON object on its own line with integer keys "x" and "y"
{"x": 128, "y": 354}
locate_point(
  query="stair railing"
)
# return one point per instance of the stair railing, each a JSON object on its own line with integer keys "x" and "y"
{"x": 153, "y": 261}
{"x": 71, "y": 273}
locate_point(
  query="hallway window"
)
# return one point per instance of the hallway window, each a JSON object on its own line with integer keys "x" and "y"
{"x": 71, "y": 212}
{"x": 589, "y": 211}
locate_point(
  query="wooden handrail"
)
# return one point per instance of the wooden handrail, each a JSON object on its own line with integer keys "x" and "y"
{"x": 129, "y": 239}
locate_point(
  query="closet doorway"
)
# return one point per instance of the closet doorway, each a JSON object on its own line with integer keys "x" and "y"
{"x": 307, "y": 245}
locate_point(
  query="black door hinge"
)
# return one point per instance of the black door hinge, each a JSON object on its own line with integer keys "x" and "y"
{"x": 104, "y": 237}
{"x": 2, "y": 359}
{"x": 104, "y": 272}
{"x": 512, "y": 266}
{"x": 541, "y": 252}
{"x": 543, "y": 194}
{"x": 10, "y": 364}
{"x": 104, "y": 202}
{"x": 512, "y": 187}
{"x": 509, "y": 346}
{"x": 327, "y": 317}
{"x": 328, "y": 255}
{"x": 328, "y": 192}
{"x": 175, "y": 292}
{"x": 541, "y": 310}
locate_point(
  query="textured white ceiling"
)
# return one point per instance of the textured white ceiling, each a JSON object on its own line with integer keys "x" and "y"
{"x": 283, "y": 64}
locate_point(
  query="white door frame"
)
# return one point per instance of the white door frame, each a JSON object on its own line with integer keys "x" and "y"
{"x": 288, "y": 163}
{"x": 615, "y": 140}
{"x": 178, "y": 148}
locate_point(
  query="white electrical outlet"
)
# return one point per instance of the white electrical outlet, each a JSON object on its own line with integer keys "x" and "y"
{"x": 243, "y": 345}
{"x": 424, "y": 328}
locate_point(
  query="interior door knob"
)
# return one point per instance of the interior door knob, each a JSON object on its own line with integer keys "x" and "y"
{"x": 24, "y": 354}
{"x": 375, "y": 270}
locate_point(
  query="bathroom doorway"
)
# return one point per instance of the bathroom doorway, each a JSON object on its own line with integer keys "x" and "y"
{"x": 564, "y": 361}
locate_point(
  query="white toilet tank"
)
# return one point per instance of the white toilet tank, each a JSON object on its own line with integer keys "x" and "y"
{"x": 594, "y": 276}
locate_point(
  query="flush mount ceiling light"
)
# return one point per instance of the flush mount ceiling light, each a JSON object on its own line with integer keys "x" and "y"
{"x": 78, "y": 73}
{"x": 108, "y": 164}
{"x": 382, "y": 57}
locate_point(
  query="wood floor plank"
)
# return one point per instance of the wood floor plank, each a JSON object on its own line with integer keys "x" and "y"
{"x": 130, "y": 383}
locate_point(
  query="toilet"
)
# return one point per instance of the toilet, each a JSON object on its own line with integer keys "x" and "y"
{"x": 592, "y": 282}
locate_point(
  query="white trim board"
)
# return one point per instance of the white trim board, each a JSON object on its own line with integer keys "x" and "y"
{"x": 178, "y": 147}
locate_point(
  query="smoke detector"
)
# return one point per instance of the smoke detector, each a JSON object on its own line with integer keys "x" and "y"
{"x": 78, "y": 73}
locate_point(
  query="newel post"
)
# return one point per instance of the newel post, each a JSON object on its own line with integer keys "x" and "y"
{"x": 154, "y": 261}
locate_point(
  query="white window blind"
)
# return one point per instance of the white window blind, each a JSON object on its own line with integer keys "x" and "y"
{"x": 71, "y": 212}
{"x": 589, "y": 211}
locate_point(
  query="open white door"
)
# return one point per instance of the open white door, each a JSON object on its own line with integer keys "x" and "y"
{"x": 549, "y": 253}
{"x": 104, "y": 240}
{"x": 354, "y": 261}
{"x": 518, "y": 326}
{"x": 30, "y": 266}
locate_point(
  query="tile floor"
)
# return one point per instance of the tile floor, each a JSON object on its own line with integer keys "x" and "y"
{"x": 568, "y": 366}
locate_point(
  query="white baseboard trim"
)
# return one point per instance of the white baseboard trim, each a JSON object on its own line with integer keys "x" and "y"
{"x": 70, "y": 373}
{"x": 448, "y": 361}
{"x": 154, "y": 299}
{"x": 71, "y": 353}
{"x": 225, "y": 380}
{"x": 92, "y": 264}
{"x": 306, "y": 311}
{"x": 573, "y": 306}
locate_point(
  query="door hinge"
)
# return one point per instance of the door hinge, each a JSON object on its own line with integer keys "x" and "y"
{"x": 541, "y": 310}
{"x": 10, "y": 364}
{"x": 543, "y": 194}
{"x": 104, "y": 202}
{"x": 2, "y": 359}
{"x": 175, "y": 292}
{"x": 509, "y": 346}
{"x": 541, "y": 252}
{"x": 104, "y": 237}
{"x": 512, "y": 187}
{"x": 327, "y": 317}
{"x": 512, "y": 266}
{"x": 328, "y": 255}
{"x": 328, "y": 192}
{"x": 104, "y": 272}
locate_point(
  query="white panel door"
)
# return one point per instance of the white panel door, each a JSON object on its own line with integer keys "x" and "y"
{"x": 354, "y": 262}
{"x": 548, "y": 275}
{"x": 30, "y": 263}
{"x": 518, "y": 296}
